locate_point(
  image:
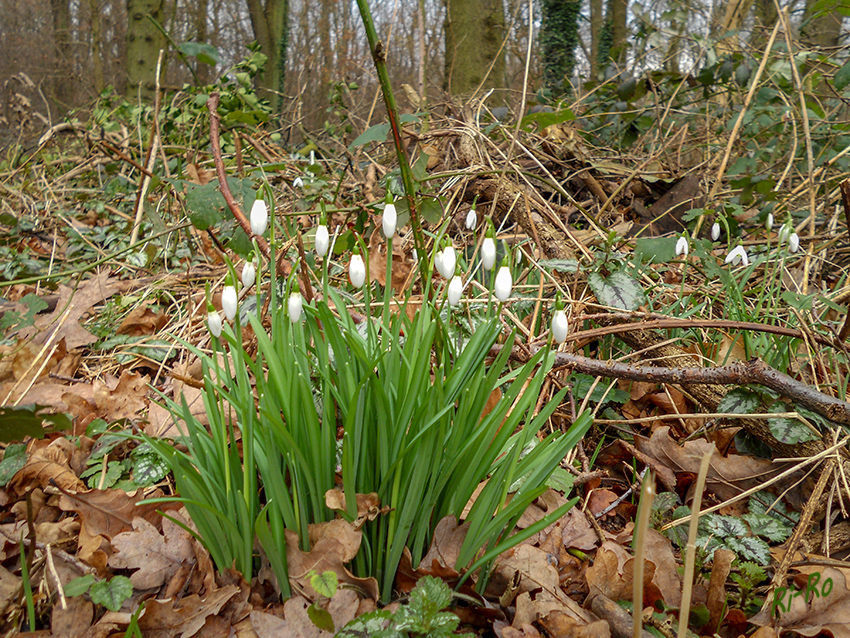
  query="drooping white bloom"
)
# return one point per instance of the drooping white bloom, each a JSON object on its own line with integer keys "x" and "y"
{"x": 769, "y": 223}
{"x": 736, "y": 255}
{"x": 323, "y": 240}
{"x": 560, "y": 326}
{"x": 312, "y": 157}
{"x": 471, "y": 219}
{"x": 295, "y": 303}
{"x": 715, "y": 231}
{"x": 259, "y": 217}
{"x": 414, "y": 254}
{"x": 249, "y": 274}
{"x": 438, "y": 261}
{"x": 390, "y": 220}
{"x": 488, "y": 253}
{"x": 504, "y": 283}
{"x": 298, "y": 182}
{"x": 214, "y": 323}
{"x": 785, "y": 232}
{"x": 794, "y": 242}
{"x": 229, "y": 302}
{"x": 455, "y": 290}
{"x": 447, "y": 262}
{"x": 682, "y": 246}
{"x": 357, "y": 270}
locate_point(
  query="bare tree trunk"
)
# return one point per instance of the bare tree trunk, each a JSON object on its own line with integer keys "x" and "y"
{"x": 62, "y": 83}
{"x": 733, "y": 19}
{"x": 96, "y": 47}
{"x": 270, "y": 22}
{"x": 203, "y": 71}
{"x": 596, "y": 20}
{"x": 144, "y": 42}
{"x": 822, "y": 31}
{"x": 618, "y": 14}
{"x": 474, "y": 30}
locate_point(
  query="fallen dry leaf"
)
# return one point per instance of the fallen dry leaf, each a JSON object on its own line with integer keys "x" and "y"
{"x": 170, "y": 618}
{"x": 110, "y": 512}
{"x": 821, "y": 602}
{"x": 142, "y": 321}
{"x": 155, "y": 556}
{"x": 717, "y": 600}
{"x": 612, "y": 575}
{"x": 297, "y": 624}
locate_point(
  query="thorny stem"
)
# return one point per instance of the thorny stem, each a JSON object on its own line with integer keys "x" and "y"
{"x": 379, "y": 56}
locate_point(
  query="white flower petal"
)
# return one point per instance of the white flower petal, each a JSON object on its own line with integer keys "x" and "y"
{"x": 357, "y": 271}
{"x": 323, "y": 240}
{"x": 229, "y": 302}
{"x": 737, "y": 255}
{"x": 488, "y": 253}
{"x": 682, "y": 247}
{"x": 214, "y": 323}
{"x": 295, "y": 303}
{"x": 715, "y": 231}
{"x": 448, "y": 262}
{"x": 249, "y": 274}
{"x": 794, "y": 242}
{"x": 471, "y": 219}
{"x": 259, "y": 217}
{"x": 504, "y": 283}
{"x": 390, "y": 220}
{"x": 455, "y": 290}
{"x": 560, "y": 326}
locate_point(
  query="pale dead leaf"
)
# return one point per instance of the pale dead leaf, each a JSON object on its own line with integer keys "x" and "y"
{"x": 170, "y": 618}
{"x": 717, "y": 599}
{"x": 110, "y": 512}
{"x": 155, "y": 556}
{"x": 142, "y": 321}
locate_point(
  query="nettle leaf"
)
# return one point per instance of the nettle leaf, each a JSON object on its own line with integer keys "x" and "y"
{"x": 725, "y": 526}
{"x": 708, "y": 544}
{"x": 786, "y": 430}
{"x": 374, "y": 623}
{"x": 665, "y": 502}
{"x": 750, "y": 548}
{"x": 679, "y": 534}
{"x": 148, "y": 469}
{"x": 617, "y": 290}
{"x": 739, "y": 401}
{"x": 770, "y": 528}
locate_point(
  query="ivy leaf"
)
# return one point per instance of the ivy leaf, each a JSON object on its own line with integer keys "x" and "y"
{"x": 111, "y": 594}
{"x": 739, "y": 401}
{"x": 788, "y": 431}
{"x": 750, "y": 548}
{"x": 321, "y": 618}
{"x": 617, "y": 290}
{"x": 377, "y": 133}
{"x": 726, "y": 526}
{"x": 770, "y": 528}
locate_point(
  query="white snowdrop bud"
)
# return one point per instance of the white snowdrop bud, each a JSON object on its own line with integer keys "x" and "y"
{"x": 295, "y": 304}
{"x": 390, "y": 220}
{"x": 447, "y": 263}
{"x": 249, "y": 274}
{"x": 715, "y": 231}
{"x": 259, "y": 217}
{"x": 560, "y": 326}
{"x": 504, "y": 283}
{"x": 298, "y": 182}
{"x": 323, "y": 240}
{"x": 357, "y": 270}
{"x": 488, "y": 253}
{"x": 794, "y": 242}
{"x": 455, "y": 290}
{"x": 471, "y": 219}
{"x": 682, "y": 246}
{"x": 229, "y": 302}
{"x": 769, "y": 223}
{"x": 214, "y": 323}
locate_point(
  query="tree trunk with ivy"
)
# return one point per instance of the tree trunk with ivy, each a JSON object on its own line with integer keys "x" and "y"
{"x": 613, "y": 43}
{"x": 144, "y": 41}
{"x": 475, "y": 30}
{"x": 270, "y": 22}
{"x": 558, "y": 42}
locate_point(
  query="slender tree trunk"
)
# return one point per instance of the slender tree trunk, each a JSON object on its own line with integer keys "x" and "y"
{"x": 596, "y": 20}
{"x": 203, "y": 71}
{"x": 822, "y": 31}
{"x": 474, "y": 31}
{"x": 618, "y": 15}
{"x": 96, "y": 47}
{"x": 144, "y": 42}
{"x": 558, "y": 42}
{"x": 270, "y": 22}
{"x": 62, "y": 82}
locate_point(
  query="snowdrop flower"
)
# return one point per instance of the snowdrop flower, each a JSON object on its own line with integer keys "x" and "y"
{"x": 259, "y": 217}
{"x": 785, "y": 232}
{"x": 738, "y": 254}
{"x": 323, "y": 240}
{"x": 560, "y": 325}
{"x": 455, "y": 290}
{"x": 229, "y": 302}
{"x": 504, "y": 281}
{"x": 488, "y": 248}
{"x": 715, "y": 231}
{"x": 249, "y": 274}
{"x": 794, "y": 242}
{"x": 769, "y": 223}
{"x": 298, "y": 182}
{"x": 471, "y": 219}
{"x": 414, "y": 255}
{"x": 447, "y": 262}
{"x": 357, "y": 269}
{"x": 312, "y": 157}
{"x": 294, "y": 305}
{"x": 214, "y": 323}
{"x": 390, "y": 219}
{"x": 682, "y": 246}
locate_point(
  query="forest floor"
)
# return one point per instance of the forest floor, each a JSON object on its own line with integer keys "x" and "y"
{"x": 679, "y": 353}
